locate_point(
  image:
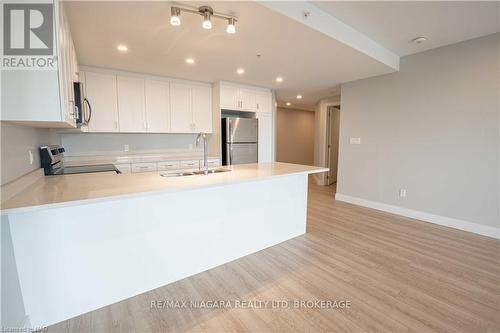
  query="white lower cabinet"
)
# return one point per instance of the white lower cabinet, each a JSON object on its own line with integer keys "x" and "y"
{"x": 265, "y": 152}
{"x": 166, "y": 165}
{"x": 143, "y": 167}
{"x": 190, "y": 164}
{"x": 212, "y": 162}
{"x": 169, "y": 165}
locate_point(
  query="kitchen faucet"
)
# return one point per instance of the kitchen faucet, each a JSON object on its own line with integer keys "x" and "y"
{"x": 205, "y": 150}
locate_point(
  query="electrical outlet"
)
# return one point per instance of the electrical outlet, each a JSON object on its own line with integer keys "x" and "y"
{"x": 402, "y": 193}
{"x": 190, "y": 146}
{"x": 355, "y": 141}
{"x": 126, "y": 148}
{"x": 32, "y": 157}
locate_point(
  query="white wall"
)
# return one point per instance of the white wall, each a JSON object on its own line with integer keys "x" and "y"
{"x": 113, "y": 143}
{"x": 295, "y": 136}
{"x": 432, "y": 128}
{"x": 16, "y": 141}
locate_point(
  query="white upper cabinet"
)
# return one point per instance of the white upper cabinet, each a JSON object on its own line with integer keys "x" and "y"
{"x": 230, "y": 97}
{"x": 157, "y": 106}
{"x": 180, "y": 108}
{"x": 202, "y": 108}
{"x": 245, "y": 98}
{"x": 44, "y": 98}
{"x": 131, "y": 104}
{"x": 248, "y": 100}
{"x": 190, "y": 108}
{"x": 100, "y": 91}
{"x": 264, "y": 102}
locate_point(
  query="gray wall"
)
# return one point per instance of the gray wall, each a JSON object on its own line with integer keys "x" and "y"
{"x": 432, "y": 128}
{"x": 295, "y": 136}
{"x": 16, "y": 141}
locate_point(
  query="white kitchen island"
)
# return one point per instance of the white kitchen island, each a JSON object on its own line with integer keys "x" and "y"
{"x": 81, "y": 242}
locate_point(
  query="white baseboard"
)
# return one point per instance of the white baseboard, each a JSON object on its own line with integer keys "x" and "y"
{"x": 423, "y": 216}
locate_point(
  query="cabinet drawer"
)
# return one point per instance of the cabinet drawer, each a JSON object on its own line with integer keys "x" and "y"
{"x": 190, "y": 164}
{"x": 143, "y": 167}
{"x": 124, "y": 168}
{"x": 169, "y": 165}
{"x": 212, "y": 162}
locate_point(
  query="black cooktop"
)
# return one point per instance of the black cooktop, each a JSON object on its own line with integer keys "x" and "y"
{"x": 87, "y": 169}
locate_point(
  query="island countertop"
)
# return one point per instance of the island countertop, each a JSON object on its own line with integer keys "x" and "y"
{"x": 64, "y": 190}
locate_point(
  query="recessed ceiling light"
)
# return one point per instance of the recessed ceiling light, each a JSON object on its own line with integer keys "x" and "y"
{"x": 299, "y": 96}
{"x": 190, "y": 61}
{"x": 279, "y": 79}
{"x": 288, "y": 103}
{"x": 240, "y": 71}
{"x": 122, "y": 48}
{"x": 418, "y": 40}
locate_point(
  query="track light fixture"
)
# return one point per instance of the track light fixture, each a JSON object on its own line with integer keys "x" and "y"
{"x": 207, "y": 13}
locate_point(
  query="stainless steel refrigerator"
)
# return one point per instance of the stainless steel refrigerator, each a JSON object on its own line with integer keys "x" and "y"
{"x": 239, "y": 140}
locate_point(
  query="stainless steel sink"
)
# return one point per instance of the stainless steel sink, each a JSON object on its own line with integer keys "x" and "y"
{"x": 209, "y": 171}
{"x": 193, "y": 173}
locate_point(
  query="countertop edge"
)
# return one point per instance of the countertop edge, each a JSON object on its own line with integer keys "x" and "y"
{"x": 63, "y": 204}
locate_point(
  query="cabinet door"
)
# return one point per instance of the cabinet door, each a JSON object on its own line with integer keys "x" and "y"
{"x": 264, "y": 101}
{"x": 64, "y": 64}
{"x": 202, "y": 109}
{"x": 181, "y": 117}
{"x": 266, "y": 139}
{"x": 229, "y": 97}
{"x": 247, "y": 100}
{"x": 101, "y": 93}
{"x": 157, "y": 106}
{"x": 131, "y": 113}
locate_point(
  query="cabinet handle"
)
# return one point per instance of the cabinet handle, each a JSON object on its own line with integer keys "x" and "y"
{"x": 257, "y": 106}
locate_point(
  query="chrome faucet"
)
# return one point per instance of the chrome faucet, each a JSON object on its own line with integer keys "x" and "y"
{"x": 205, "y": 150}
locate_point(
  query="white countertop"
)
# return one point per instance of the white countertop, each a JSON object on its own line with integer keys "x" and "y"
{"x": 64, "y": 190}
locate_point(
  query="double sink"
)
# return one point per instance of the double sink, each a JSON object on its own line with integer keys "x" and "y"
{"x": 193, "y": 173}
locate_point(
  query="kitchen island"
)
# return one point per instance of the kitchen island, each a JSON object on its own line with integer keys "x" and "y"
{"x": 81, "y": 242}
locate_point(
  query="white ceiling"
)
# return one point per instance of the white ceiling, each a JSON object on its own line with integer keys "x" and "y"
{"x": 312, "y": 61}
{"x": 394, "y": 23}
{"x": 312, "y": 64}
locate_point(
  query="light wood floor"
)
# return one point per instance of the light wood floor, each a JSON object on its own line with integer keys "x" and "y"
{"x": 400, "y": 275}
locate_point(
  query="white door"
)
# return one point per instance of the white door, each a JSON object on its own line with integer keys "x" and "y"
{"x": 101, "y": 93}
{"x": 229, "y": 97}
{"x": 131, "y": 111}
{"x": 181, "y": 117}
{"x": 264, "y": 101}
{"x": 248, "y": 100}
{"x": 157, "y": 106}
{"x": 202, "y": 109}
{"x": 265, "y": 153}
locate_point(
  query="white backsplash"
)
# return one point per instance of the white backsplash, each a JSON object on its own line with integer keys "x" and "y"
{"x": 102, "y": 144}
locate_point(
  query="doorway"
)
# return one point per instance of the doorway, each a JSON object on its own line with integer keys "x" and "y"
{"x": 332, "y": 141}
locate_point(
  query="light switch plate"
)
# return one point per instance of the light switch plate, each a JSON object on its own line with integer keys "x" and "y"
{"x": 355, "y": 141}
{"x": 126, "y": 147}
